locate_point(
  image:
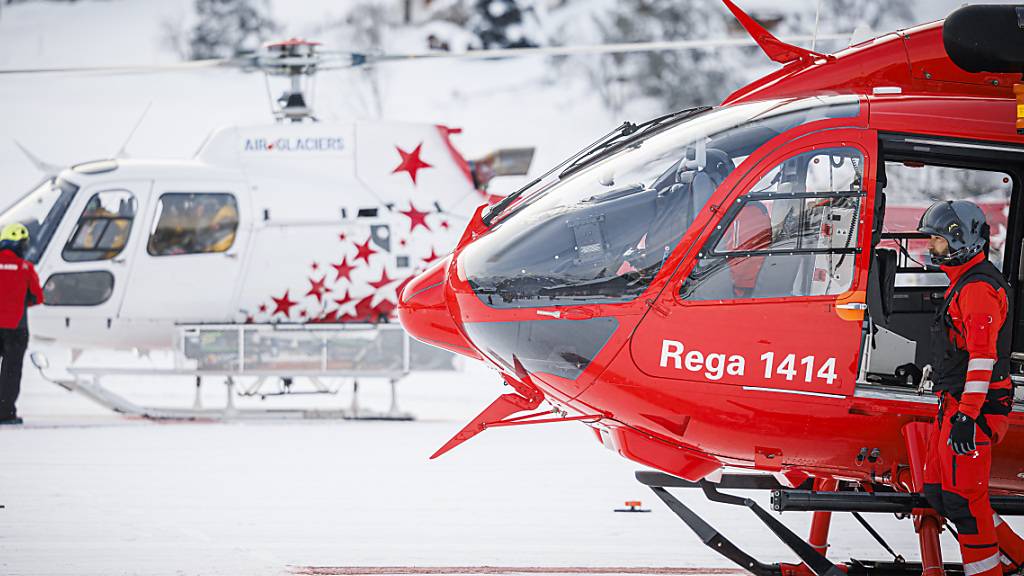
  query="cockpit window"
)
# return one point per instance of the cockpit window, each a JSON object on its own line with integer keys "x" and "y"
{"x": 794, "y": 234}
{"x": 78, "y": 288}
{"x": 912, "y": 187}
{"x": 103, "y": 228}
{"x": 41, "y": 211}
{"x": 602, "y": 234}
{"x": 194, "y": 223}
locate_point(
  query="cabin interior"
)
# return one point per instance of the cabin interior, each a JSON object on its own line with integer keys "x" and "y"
{"x": 903, "y": 296}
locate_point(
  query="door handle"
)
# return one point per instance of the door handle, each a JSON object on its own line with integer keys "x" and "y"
{"x": 583, "y": 314}
{"x": 232, "y": 255}
{"x": 118, "y": 261}
{"x": 657, "y": 307}
{"x": 852, "y": 306}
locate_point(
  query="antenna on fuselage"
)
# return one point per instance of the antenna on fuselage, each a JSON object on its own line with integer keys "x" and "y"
{"x": 817, "y": 20}
{"x": 122, "y": 151}
{"x": 862, "y": 33}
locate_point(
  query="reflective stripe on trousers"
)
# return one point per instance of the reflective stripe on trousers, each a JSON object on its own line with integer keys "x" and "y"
{"x": 983, "y": 565}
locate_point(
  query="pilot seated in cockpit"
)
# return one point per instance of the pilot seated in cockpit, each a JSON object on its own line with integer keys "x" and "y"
{"x": 682, "y": 193}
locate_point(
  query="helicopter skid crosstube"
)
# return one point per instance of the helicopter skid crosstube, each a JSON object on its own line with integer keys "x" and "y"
{"x": 786, "y": 499}
{"x": 88, "y": 382}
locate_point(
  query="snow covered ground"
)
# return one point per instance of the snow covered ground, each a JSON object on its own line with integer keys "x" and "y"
{"x": 90, "y": 493}
{"x": 87, "y": 492}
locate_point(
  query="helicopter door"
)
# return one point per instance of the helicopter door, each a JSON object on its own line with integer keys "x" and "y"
{"x": 773, "y": 298}
{"x": 85, "y": 269}
{"x": 188, "y": 267}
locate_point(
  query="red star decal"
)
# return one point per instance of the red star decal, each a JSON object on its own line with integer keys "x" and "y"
{"x": 345, "y": 307}
{"x": 366, "y": 311}
{"x": 344, "y": 299}
{"x": 384, "y": 293}
{"x": 416, "y": 218}
{"x": 326, "y": 318}
{"x": 318, "y": 288}
{"x": 283, "y": 305}
{"x": 433, "y": 256}
{"x": 411, "y": 162}
{"x": 364, "y": 251}
{"x": 263, "y": 307}
{"x": 343, "y": 269}
{"x": 363, "y": 309}
{"x": 383, "y": 310}
{"x": 384, "y": 280}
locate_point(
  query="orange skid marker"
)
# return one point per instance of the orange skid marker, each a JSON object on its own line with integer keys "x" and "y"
{"x": 633, "y": 506}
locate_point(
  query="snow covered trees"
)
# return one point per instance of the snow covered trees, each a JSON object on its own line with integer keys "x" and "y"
{"x": 879, "y": 15}
{"x": 674, "y": 78}
{"x": 225, "y": 28}
{"x": 502, "y": 24}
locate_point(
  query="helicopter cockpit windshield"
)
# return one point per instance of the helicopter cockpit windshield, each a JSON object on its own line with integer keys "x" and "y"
{"x": 41, "y": 211}
{"x": 601, "y": 234}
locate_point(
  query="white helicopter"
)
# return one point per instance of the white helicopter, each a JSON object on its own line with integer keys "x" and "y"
{"x": 239, "y": 257}
{"x": 290, "y": 224}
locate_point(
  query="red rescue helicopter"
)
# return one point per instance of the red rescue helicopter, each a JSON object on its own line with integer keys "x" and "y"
{"x": 719, "y": 288}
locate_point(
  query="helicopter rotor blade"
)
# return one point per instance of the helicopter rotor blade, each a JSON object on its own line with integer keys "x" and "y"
{"x": 340, "y": 60}
{"x": 140, "y": 69}
{"x": 359, "y": 59}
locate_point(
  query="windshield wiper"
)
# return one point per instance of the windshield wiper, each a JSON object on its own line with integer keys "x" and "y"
{"x": 625, "y": 128}
{"x": 638, "y": 132}
{"x": 627, "y": 131}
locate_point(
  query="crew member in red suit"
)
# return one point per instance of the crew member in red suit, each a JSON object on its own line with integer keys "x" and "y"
{"x": 971, "y": 374}
{"x": 749, "y": 232}
{"x": 19, "y": 289}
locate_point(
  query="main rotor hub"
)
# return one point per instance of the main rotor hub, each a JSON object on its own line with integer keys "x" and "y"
{"x": 295, "y": 58}
{"x": 290, "y": 57}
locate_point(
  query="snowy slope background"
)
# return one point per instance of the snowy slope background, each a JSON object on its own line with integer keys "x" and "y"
{"x": 70, "y": 119}
{"x": 87, "y": 492}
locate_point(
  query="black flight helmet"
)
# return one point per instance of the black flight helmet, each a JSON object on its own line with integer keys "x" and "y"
{"x": 962, "y": 224}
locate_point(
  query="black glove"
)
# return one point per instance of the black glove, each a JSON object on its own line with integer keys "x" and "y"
{"x": 961, "y": 435}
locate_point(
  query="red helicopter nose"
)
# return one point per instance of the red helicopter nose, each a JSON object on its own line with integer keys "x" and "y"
{"x": 424, "y": 313}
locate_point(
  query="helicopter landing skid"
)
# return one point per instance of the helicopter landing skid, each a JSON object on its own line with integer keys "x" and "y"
{"x": 89, "y": 383}
{"x": 286, "y": 388}
{"x": 814, "y": 563}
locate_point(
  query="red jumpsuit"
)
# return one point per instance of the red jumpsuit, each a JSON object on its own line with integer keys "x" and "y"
{"x": 18, "y": 279}
{"x": 957, "y": 486}
{"x": 750, "y": 231}
{"x": 19, "y": 288}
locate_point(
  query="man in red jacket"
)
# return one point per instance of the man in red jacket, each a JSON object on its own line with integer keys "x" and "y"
{"x": 19, "y": 289}
{"x": 971, "y": 374}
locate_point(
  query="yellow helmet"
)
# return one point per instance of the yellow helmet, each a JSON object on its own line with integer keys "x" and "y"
{"x": 15, "y": 232}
